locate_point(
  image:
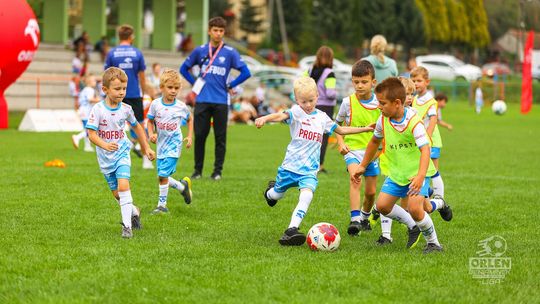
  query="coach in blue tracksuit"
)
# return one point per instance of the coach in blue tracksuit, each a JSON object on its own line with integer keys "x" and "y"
{"x": 216, "y": 60}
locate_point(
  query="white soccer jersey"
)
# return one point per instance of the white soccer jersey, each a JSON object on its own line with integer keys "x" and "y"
{"x": 344, "y": 113}
{"x": 85, "y": 103}
{"x": 168, "y": 119}
{"x": 109, "y": 124}
{"x": 303, "y": 152}
{"x": 419, "y": 132}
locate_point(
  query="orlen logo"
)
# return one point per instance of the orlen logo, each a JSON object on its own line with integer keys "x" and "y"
{"x": 32, "y": 29}
{"x": 103, "y": 123}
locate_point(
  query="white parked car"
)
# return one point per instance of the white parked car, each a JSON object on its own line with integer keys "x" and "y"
{"x": 447, "y": 67}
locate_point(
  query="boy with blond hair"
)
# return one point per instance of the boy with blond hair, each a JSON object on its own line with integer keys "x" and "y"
{"x": 302, "y": 159}
{"x": 106, "y": 131}
{"x": 167, "y": 114}
{"x": 359, "y": 110}
{"x": 406, "y": 146}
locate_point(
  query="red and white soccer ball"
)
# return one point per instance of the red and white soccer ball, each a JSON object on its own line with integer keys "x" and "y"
{"x": 323, "y": 237}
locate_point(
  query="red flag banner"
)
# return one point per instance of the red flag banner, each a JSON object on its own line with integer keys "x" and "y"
{"x": 526, "y": 84}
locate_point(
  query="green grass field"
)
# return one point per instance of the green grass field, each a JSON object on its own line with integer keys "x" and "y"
{"x": 60, "y": 234}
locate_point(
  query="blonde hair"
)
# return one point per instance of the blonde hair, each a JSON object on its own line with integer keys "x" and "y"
{"x": 111, "y": 74}
{"x": 407, "y": 83}
{"x": 420, "y": 71}
{"x": 378, "y": 46}
{"x": 304, "y": 85}
{"x": 169, "y": 75}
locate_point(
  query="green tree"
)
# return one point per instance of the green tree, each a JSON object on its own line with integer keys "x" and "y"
{"x": 250, "y": 18}
{"x": 435, "y": 18}
{"x": 218, "y": 8}
{"x": 478, "y": 23}
{"x": 458, "y": 22}
{"x": 410, "y": 25}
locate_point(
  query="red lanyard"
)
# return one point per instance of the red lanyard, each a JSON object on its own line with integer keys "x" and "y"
{"x": 212, "y": 58}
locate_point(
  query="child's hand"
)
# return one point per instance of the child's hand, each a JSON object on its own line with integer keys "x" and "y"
{"x": 259, "y": 122}
{"x": 344, "y": 149}
{"x": 188, "y": 141}
{"x": 153, "y": 138}
{"x": 358, "y": 174}
{"x": 150, "y": 154}
{"x": 112, "y": 146}
{"x": 450, "y": 127}
{"x": 415, "y": 185}
{"x": 372, "y": 126}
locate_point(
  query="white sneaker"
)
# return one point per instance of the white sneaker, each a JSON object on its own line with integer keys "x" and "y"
{"x": 146, "y": 163}
{"x": 88, "y": 149}
{"x": 75, "y": 141}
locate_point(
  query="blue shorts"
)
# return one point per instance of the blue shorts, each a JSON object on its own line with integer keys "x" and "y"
{"x": 286, "y": 179}
{"x": 166, "y": 166}
{"x": 122, "y": 171}
{"x": 372, "y": 169}
{"x": 390, "y": 187}
{"x": 435, "y": 153}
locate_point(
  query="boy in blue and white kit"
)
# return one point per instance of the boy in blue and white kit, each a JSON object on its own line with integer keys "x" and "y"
{"x": 168, "y": 113}
{"x": 302, "y": 160}
{"x": 87, "y": 99}
{"x": 106, "y": 130}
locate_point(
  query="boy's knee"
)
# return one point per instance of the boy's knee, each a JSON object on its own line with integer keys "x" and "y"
{"x": 383, "y": 208}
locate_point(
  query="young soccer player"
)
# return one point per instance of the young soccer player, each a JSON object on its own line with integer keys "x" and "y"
{"x": 87, "y": 98}
{"x": 302, "y": 160}
{"x": 442, "y": 99}
{"x": 406, "y": 146}
{"x": 359, "y": 110}
{"x": 106, "y": 130}
{"x": 167, "y": 114}
{"x": 426, "y": 107}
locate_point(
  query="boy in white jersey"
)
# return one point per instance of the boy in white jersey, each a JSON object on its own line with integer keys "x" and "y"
{"x": 166, "y": 114}
{"x": 360, "y": 110}
{"x": 302, "y": 160}
{"x": 426, "y": 107}
{"x": 106, "y": 130}
{"x": 406, "y": 147}
{"x": 87, "y": 99}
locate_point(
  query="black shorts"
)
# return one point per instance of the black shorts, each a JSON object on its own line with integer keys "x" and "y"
{"x": 137, "y": 106}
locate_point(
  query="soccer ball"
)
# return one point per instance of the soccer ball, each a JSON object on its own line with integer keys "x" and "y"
{"x": 498, "y": 107}
{"x": 323, "y": 237}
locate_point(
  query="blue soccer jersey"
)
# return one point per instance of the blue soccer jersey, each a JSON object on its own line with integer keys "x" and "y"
{"x": 131, "y": 60}
{"x": 307, "y": 130}
{"x": 215, "y": 89}
{"x": 109, "y": 125}
{"x": 168, "y": 119}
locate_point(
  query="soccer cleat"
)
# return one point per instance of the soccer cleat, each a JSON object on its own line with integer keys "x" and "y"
{"x": 74, "y": 141}
{"x": 364, "y": 225}
{"x": 215, "y": 176}
{"x": 445, "y": 211}
{"x": 383, "y": 241}
{"x": 127, "y": 233}
{"x": 432, "y": 247}
{"x": 354, "y": 228}
{"x": 292, "y": 237}
{"x": 136, "y": 220}
{"x": 187, "y": 189}
{"x": 160, "y": 210}
{"x": 269, "y": 201}
{"x": 138, "y": 153}
{"x": 147, "y": 163}
{"x": 414, "y": 236}
{"x": 196, "y": 175}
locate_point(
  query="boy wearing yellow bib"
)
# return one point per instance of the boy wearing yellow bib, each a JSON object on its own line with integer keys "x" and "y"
{"x": 407, "y": 149}
{"x": 359, "y": 110}
{"x": 427, "y": 108}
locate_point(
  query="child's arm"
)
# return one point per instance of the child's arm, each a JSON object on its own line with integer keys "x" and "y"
{"x": 371, "y": 150}
{"x": 141, "y": 137}
{"x": 342, "y": 147}
{"x": 418, "y": 180}
{"x": 352, "y": 130}
{"x": 94, "y": 138}
{"x": 432, "y": 123}
{"x": 189, "y": 136}
{"x": 443, "y": 123}
{"x": 274, "y": 117}
{"x": 151, "y": 135}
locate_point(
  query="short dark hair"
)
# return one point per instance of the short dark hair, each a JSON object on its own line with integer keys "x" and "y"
{"x": 217, "y": 22}
{"x": 125, "y": 31}
{"x": 391, "y": 88}
{"x": 363, "y": 68}
{"x": 441, "y": 96}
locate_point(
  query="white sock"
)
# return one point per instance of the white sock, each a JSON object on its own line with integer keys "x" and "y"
{"x": 126, "y": 207}
{"x": 436, "y": 204}
{"x": 163, "y": 192}
{"x": 428, "y": 229}
{"x": 272, "y": 194}
{"x": 80, "y": 136}
{"x": 399, "y": 214}
{"x": 438, "y": 185}
{"x": 87, "y": 142}
{"x": 386, "y": 227}
{"x": 364, "y": 215}
{"x": 176, "y": 184}
{"x": 300, "y": 211}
